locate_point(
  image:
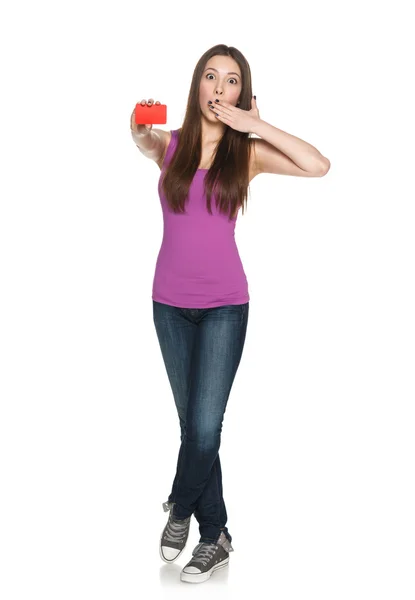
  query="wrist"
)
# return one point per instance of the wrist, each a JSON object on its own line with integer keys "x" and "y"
{"x": 256, "y": 125}
{"x": 139, "y": 135}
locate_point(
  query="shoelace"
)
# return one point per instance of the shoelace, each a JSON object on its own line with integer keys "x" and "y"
{"x": 176, "y": 530}
{"x": 204, "y": 552}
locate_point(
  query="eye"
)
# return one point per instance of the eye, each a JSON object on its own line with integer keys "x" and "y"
{"x": 231, "y": 79}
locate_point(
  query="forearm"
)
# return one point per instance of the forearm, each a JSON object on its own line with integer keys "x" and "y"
{"x": 306, "y": 156}
{"x": 147, "y": 141}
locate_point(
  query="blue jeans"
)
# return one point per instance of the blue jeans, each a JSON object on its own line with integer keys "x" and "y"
{"x": 201, "y": 349}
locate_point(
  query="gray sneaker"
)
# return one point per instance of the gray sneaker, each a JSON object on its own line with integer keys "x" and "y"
{"x": 207, "y": 558}
{"x": 174, "y": 537}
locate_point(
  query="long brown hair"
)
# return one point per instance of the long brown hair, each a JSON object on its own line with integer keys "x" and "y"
{"x": 228, "y": 176}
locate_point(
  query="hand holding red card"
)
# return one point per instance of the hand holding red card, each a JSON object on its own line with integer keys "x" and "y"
{"x": 147, "y": 113}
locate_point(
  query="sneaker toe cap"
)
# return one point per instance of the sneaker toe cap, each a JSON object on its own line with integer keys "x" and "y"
{"x": 191, "y": 570}
{"x": 170, "y": 553}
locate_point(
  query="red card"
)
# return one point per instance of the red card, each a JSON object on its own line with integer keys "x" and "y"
{"x": 156, "y": 114}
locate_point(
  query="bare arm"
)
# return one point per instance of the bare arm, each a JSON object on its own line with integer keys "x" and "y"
{"x": 149, "y": 141}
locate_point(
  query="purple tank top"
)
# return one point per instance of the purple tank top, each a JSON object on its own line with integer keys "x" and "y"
{"x": 198, "y": 265}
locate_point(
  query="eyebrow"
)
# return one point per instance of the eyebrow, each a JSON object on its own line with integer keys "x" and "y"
{"x": 229, "y": 73}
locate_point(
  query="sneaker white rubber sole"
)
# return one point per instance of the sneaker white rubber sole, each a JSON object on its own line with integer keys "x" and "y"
{"x": 200, "y": 577}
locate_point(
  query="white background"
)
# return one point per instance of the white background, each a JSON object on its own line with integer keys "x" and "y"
{"x": 318, "y": 438}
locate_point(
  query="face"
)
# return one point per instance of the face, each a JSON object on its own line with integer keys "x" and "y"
{"x": 221, "y": 79}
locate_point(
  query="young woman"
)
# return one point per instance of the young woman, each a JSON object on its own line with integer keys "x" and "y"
{"x": 200, "y": 291}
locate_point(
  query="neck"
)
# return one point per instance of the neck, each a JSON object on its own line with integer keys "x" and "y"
{"x": 211, "y": 133}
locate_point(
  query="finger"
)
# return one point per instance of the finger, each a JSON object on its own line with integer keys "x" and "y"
{"x": 215, "y": 109}
{"x": 225, "y": 105}
{"x": 219, "y": 109}
{"x": 151, "y": 101}
{"x": 222, "y": 117}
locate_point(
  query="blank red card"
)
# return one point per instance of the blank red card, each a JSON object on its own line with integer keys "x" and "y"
{"x": 156, "y": 114}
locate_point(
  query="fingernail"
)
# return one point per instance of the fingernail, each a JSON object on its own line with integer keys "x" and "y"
{"x": 255, "y": 97}
{"x": 210, "y": 102}
{"x": 216, "y": 100}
